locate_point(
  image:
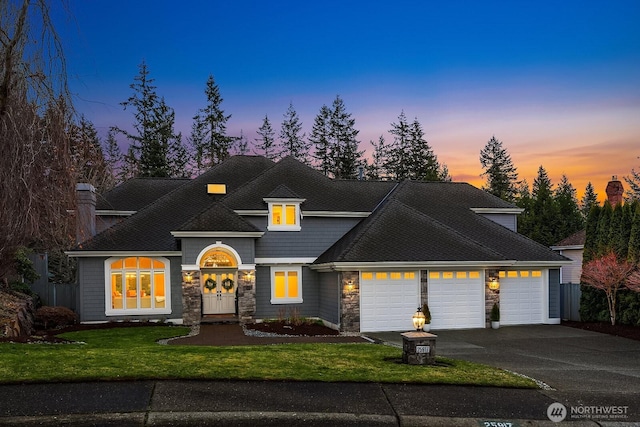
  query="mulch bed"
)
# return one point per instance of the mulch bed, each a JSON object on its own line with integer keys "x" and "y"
{"x": 625, "y": 331}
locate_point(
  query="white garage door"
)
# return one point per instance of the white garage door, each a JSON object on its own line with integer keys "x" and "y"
{"x": 456, "y": 299}
{"x": 521, "y": 297}
{"x": 388, "y": 299}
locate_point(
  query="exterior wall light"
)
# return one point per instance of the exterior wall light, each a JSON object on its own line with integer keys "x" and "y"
{"x": 247, "y": 276}
{"x": 188, "y": 277}
{"x": 494, "y": 284}
{"x": 350, "y": 286}
{"x": 418, "y": 319}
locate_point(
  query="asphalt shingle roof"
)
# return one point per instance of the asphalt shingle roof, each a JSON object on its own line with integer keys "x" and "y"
{"x": 136, "y": 193}
{"x": 150, "y": 228}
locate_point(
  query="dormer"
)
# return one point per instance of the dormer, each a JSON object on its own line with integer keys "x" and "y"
{"x": 284, "y": 212}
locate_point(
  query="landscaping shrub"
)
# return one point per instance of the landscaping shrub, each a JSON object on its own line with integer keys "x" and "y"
{"x": 55, "y": 317}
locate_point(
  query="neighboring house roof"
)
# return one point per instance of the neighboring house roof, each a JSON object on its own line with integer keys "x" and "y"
{"x": 433, "y": 221}
{"x": 150, "y": 228}
{"x": 575, "y": 241}
{"x": 136, "y": 193}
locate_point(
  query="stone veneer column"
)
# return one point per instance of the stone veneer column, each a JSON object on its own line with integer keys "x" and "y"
{"x": 350, "y": 301}
{"x": 490, "y": 297}
{"x": 191, "y": 299}
{"x": 424, "y": 290}
{"x": 246, "y": 292}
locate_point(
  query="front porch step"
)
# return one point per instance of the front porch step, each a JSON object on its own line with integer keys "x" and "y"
{"x": 218, "y": 319}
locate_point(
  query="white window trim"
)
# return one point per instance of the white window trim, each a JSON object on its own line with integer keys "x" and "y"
{"x": 283, "y": 202}
{"x": 109, "y": 311}
{"x": 286, "y": 300}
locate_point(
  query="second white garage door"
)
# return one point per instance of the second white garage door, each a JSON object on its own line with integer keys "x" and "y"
{"x": 521, "y": 297}
{"x": 456, "y": 299}
{"x": 388, "y": 299}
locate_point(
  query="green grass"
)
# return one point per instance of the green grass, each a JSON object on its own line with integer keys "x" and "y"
{"x": 132, "y": 353}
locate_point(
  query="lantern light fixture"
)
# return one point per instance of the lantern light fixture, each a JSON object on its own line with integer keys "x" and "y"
{"x": 418, "y": 319}
{"x": 494, "y": 283}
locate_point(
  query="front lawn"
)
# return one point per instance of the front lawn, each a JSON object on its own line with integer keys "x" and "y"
{"x": 132, "y": 353}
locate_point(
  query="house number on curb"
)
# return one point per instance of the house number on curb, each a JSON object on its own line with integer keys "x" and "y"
{"x": 423, "y": 349}
{"x": 497, "y": 424}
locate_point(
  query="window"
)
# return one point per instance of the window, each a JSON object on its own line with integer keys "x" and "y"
{"x": 284, "y": 216}
{"x": 286, "y": 285}
{"x": 137, "y": 285}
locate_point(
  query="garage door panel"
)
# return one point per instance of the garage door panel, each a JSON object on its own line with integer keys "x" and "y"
{"x": 456, "y": 302}
{"x": 521, "y": 300}
{"x": 387, "y": 304}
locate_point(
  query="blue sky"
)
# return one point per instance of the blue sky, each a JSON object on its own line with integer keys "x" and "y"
{"x": 557, "y": 82}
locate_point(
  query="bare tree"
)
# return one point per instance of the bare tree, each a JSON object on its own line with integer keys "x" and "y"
{"x": 37, "y": 175}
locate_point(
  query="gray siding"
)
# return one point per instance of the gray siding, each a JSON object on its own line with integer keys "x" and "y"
{"x": 329, "y": 290}
{"x": 506, "y": 220}
{"x": 92, "y": 289}
{"x": 315, "y": 237}
{"x": 310, "y": 295}
{"x": 191, "y": 247}
{"x": 554, "y": 293}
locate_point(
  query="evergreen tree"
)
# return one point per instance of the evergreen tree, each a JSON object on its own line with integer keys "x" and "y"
{"x": 570, "y": 217}
{"x": 344, "y": 145}
{"x": 320, "y": 138}
{"x": 209, "y": 130}
{"x": 113, "y": 157}
{"x": 591, "y": 234}
{"x": 398, "y": 158}
{"x": 292, "y": 142}
{"x": 241, "y": 147}
{"x": 375, "y": 169}
{"x": 87, "y": 156}
{"x": 524, "y": 202}
{"x": 602, "y": 242}
{"x": 633, "y": 253}
{"x": 171, "y": 151}
{"x": 633, "y": 193}
{"x": 589, "y": 199}
{"x": 501, "y": 175}
{"x": 424, "y": 163}
{"x": 543, "y": 217}
{"x": 265, "y": 144}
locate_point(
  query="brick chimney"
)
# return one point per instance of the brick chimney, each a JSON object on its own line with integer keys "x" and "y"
{"x": 85, "y": 212}
{"x": 614, "y": 191}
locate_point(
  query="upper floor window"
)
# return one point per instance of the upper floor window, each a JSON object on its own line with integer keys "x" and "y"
{"x": 284, "y": 215}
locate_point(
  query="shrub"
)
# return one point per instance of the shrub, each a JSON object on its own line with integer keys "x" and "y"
{"x": 495, "y": 313}
{"x": 55, "y": 317}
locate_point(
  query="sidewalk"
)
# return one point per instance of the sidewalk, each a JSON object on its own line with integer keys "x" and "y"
{"x": 263, "y": 403}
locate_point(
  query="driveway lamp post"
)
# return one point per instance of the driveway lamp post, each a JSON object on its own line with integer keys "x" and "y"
{"x": 418, "y": 319}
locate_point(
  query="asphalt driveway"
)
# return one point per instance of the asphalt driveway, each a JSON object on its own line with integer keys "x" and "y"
{"x": 567, "y": 359}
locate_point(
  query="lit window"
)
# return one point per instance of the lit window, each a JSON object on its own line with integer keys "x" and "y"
{"x": 512, "y": 274}
{"x": 395, "y": 275}
{"x": 381, "y": 276}
{"x": 461, "y": 274}
{"x": 434, "y": 275}
{"x": 536, "y": 273}
{"x": 474, "y": 274}
{"x": 410, "y": 275}
{"x": 524, "y": 274}
{"x": 367, "y": 275}
{"x": 286, "y": 285}
{"x": 447, "y": 275}
{"x": 137, "y": 285}
{"x": 284, "y": 216}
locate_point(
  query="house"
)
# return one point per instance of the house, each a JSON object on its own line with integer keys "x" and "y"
{"x": 259, "y": 239}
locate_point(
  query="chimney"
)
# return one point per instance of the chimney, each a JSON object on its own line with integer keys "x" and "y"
{"x": 85, "y": 212}
{"x": 614, "y": 191}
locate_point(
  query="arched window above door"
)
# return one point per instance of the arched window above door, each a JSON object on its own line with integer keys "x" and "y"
{"x": 218, "y": 258}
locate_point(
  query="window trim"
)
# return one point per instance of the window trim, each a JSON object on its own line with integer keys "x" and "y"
{"x": 286, "y": 300}
{"x": 283, "y": 202}
{"x": 109, "y": 311}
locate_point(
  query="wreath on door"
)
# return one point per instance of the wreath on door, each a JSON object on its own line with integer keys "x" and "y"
{"x": 210, "y": 284}
{"x": 227, "y": 284}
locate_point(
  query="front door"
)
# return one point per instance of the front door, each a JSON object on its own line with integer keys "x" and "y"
{"x": 218, "y": 291}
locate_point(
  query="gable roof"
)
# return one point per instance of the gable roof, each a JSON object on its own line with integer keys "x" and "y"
{"x": 150, "y": 228}
{"x": 574, "y": 240}
{"x": 434, "y": 222}
{"x": 218, "y": 217}
{"x": 136, "y": 193}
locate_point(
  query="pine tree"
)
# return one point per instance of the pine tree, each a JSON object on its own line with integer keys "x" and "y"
{"x": 209, "y": 130}
{"x": 320, "y": 138}
{"x": 602, "y": 242}
{"x": 591, "y": 234}
{"x": 113, "y": 157}
{"x": 424, "y": 163}
{"x": 265, "y": 144}
{"x": 524, "y": 202}
{"x": 501, "y": 175}
{"x": 570, "y": 217}
{"x": 633, "y": 193}
{"x": 542, "y": 218}
{"x": 241, "y": 147}
{"x": 398, "y": 160}
{"x": 292, "y": 140}
{"x": 375, "y": 169}
{"x": 170, "y": 150}
{"x": 589, "y": 199}
{"x": 87, "y": 156}
{"x": 344, "y": 149}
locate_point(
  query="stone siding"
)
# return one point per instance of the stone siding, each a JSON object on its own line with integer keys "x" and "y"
{"x": 490, "y": 297}
{"x": 191, "y": 299}
{"x": 350, "y": 301}
{"x": 246, "y": 295}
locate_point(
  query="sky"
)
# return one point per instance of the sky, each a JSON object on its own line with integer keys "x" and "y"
{"x": 557, "y": 82}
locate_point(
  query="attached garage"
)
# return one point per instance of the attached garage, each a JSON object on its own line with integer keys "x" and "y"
{"x": 456, "y": 299}
{"x": 388, "y": 299}
{"x": 521, "y": 297}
